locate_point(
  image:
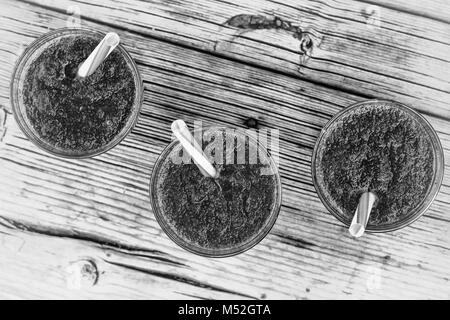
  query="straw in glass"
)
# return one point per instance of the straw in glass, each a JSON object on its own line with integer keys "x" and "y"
{"x": 100, "y": 53}
{"x": 182, "y": 133}
{"x": 362, "y": 213}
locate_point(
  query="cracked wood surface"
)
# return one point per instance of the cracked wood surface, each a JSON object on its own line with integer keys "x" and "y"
{"x": 406, "y": 58}
{"x": 55, "y": 212}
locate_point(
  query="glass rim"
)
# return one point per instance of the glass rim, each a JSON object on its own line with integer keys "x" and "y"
{"x": 438, "y": 166}
{"x": 213, "y": 253}
{"x": 19, "y": 110}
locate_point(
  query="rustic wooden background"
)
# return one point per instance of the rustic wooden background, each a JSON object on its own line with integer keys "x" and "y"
{"x": 225, "y": 62}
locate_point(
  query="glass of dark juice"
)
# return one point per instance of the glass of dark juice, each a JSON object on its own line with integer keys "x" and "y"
{"x": 68, "y": 116}
{"x": 223, "y": 216}
{"x": 383, "y": 147}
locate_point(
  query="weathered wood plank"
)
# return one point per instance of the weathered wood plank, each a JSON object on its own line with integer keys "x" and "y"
{"x": 37, "y": 266}
{"x": 400, "y": 56}
{"x": 104, "y": 201}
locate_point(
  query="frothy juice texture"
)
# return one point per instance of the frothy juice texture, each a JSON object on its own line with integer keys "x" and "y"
{"x": 73, "y": 114}
{"x": 379, "y": 148}
{"x": 222, "y": 213}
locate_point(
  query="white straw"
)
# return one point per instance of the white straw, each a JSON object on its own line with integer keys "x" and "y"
{"x": 362, "y": 213}
{"x": 100, "y": 53}
{"x": 182, "y": 133}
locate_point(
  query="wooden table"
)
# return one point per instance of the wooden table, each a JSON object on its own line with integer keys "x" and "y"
{"x": 290, "y": 65}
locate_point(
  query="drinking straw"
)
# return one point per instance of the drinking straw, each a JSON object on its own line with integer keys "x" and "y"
{"x": 362, "y": 213}
{"x": 100, "y": 53}
{"x": 182, "y": 133}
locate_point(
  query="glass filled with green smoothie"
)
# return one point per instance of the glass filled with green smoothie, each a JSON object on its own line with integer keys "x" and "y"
{"x": 382, "y": 147}
{"x": 224, "y": 215}
{"x": 70, "y": 116}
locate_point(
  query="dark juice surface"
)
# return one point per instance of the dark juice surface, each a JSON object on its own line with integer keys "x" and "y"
{"x": 216, "y": 213}
{"x": 73, "y": 114}
{"x": 377, "y": 148}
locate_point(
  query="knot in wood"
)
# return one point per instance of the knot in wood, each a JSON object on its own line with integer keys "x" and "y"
{"x": 81, "y": 274}
{"x": 306, "y": 44}
{"x": 251, "y": 123}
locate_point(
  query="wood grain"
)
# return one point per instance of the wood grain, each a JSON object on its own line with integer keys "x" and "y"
{"x": 405, "y": 57}
{"x": 51, "y": 272}
{"x": 56, "y": 211}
